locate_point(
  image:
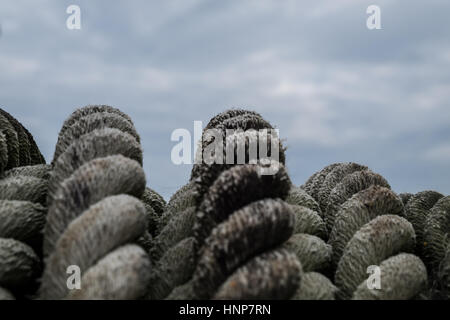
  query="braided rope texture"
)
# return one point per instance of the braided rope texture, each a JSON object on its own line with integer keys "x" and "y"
{"x": 230, "y": 233}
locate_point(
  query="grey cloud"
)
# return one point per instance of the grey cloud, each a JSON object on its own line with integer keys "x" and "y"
{"x": 337, "y": 91}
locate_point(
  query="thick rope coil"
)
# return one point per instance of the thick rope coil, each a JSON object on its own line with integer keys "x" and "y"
{"x": 19, "y": 264}
{"x": 344, "y": 190}
{"x": 174, "y": 268}
{"x": 88, "y": 185}
{"x": 40, "y": 171}
{"x": 24, "y": 188}
{"x": 314, "y": 183}
{"x": 226, "y": 195}
{"x": 272, "y": 275}
{"x": 3, "y": 152}
{"x": 315, "y": 286}
{"x": 405, "y": 196}
{"x": 359, "y": 210}
{"x": 237, "y": 217}
{"x": 313, "y": 253}
{"x": 17, "y": 141}
{"x": 179, "y": 202}
{"x": 23, "y": 193}
{"x": 92, "y": 122}
{"x": 246, "y": 124}
{"x": 94, "y": 195}
{"x": 444, "y": 276}
{"x": 12, "y": 144}
{"x": 333, "y": 178}
{"x": 416, "y": 212}
{"x": 111, "y": 223}
{"x": 437, "y": 232}
{"x": 298, "y": 196}
{"x": 178, "y": 229}
{"x": 227, "y": 234}
{"x": 85, "y": 111}
{"x": 155, "y": 205}
{"x": 402, "y": 277}
{"x": 381, "y": 238}
{"x": 23, "y": 221}
{"x": 110, "y": 278}
{"x": 97, "y": 144}
{"x": 309, "y": 222}
{"x": 260, "y": 226}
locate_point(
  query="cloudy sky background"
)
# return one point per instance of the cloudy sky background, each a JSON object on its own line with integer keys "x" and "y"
{"x": 336, "y": 90}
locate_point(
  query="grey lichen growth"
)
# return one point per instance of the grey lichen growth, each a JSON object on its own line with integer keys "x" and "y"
{"x": 22, "y": 220}
{"x": 40, "y": 171}
{"x": 313, "y": 253}
{"x": 376, "y": 241}
{"x": 19, "y": 265}
{"x": 97, "y": 144}
{"x": 121, "y": 275}
{"x": 24, "y": 188}
{"x": 349, "y": 185}
{"x": 308, "y": 221}
{"x": 88, "y": 185}
{"x": 110, "y": 223}
{"x": 234, "y": 189}
{"x": 333, "y": 178}
{"x": 437, "y": 232}
{"x": 85, "y": 111}
{"x": 315, "y": 286}
{"x": 416, "y": 212}
{"x": 92, "y": 122}
{"x": 256, "y": 228}
{"x": 402, "y": 277}
{"x": 298, "y": 196}
{"x": 274, "y": 275}
{"x": 172, "y": 270}
{"x": 359, "y": 210}
{"x": 179, "y": 227}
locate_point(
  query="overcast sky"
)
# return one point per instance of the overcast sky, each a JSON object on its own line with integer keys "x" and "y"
{"x": 336, "y": 90}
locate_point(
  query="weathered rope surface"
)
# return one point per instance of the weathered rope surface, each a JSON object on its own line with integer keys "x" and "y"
{"x": 94, "y": 195}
